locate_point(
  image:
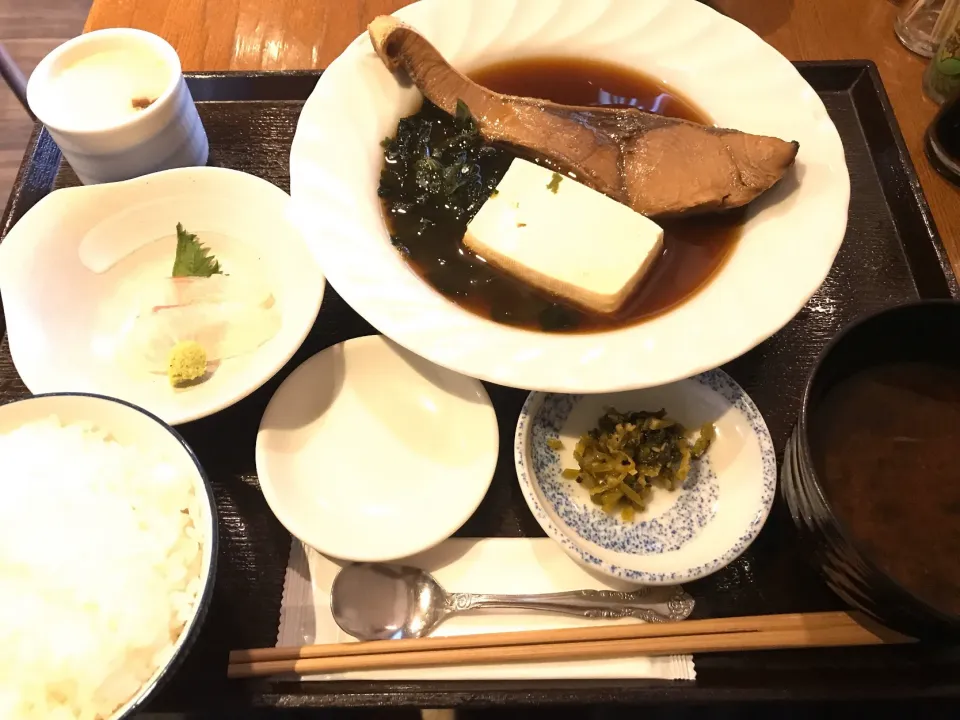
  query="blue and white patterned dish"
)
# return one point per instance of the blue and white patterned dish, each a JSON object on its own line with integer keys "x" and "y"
{"x": 682, "y": 535}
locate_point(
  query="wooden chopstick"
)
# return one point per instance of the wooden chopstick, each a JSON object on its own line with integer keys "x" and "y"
{"x": 679, "y": 645}
{"x": 538, "y": 637}
{"x": 762, "y": 632}
{"x": 13, "y": 75}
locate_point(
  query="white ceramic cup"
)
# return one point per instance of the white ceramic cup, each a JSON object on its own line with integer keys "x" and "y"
{"x": 116, "y": 103}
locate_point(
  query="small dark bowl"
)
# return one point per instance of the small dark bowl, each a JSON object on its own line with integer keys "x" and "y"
{"x": 130, "y": 424}
{"x": 923, "y": 331}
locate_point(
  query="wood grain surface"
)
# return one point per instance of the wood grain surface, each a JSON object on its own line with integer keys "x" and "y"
{"x": 294, "y": 34}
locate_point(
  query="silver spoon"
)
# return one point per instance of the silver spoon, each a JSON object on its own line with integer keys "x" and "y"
{"x": 373, "y": 601}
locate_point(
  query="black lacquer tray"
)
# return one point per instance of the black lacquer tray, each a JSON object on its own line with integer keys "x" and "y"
{"x": 891, "y": 254}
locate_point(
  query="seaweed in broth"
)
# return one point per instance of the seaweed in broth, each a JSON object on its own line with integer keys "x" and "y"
{"x": 427, "y": 228}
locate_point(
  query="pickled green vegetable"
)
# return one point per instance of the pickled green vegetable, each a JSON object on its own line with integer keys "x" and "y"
{"x": 628, "y": 454}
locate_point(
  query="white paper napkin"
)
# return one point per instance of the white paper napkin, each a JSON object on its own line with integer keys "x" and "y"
{"x": 489, "y": 565}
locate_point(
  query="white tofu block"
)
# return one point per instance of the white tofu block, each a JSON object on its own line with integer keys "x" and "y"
{"x": 562, "y": 237}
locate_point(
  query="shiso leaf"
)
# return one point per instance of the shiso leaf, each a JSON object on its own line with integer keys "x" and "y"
{"x": 193, "y": 259}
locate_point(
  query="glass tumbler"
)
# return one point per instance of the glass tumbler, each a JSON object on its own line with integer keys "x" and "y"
{"x": 920, "y": 24}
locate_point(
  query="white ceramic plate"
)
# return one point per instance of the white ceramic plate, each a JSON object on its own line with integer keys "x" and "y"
{"x": 66, "y": 265}
{"x": 367, "y": 452}
{"x": 132, "y": 426}
{"x": 683, "y": 535}
{"x": 789, "y": 243}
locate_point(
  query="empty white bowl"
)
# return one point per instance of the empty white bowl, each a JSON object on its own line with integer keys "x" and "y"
{"x": 370, "y": 453}
{"x": 65, "y": 267}
{"x": 683, "y": 535}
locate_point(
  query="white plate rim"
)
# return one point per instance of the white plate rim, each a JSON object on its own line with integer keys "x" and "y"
{"x": 39, "y": 385}
{"x": 310, "y": 538}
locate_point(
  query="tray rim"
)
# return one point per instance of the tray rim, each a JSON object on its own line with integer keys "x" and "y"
{"x": 41, "y": 160}
{"x": 906, "y": 160}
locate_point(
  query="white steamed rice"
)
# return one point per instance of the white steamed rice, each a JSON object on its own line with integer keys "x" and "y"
{"x": 100, "y": 557}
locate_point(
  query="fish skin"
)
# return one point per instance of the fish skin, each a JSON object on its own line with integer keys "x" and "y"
{"x": 657, "y": 165}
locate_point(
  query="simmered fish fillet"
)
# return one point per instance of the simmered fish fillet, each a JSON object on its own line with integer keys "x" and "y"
{"x": 658, "y": 166}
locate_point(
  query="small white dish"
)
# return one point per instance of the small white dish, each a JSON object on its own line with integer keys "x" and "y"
{"x": 683, "y": 535}
{"x": 132, "y": 426}
{"x": 66, "y": 268}
{"x": 789, "y": 241}
{"x": 367, "y": 452}
{"x": 116, "y": 103}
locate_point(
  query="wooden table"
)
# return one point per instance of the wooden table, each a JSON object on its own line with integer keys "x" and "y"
{"x": 305, "y": 34}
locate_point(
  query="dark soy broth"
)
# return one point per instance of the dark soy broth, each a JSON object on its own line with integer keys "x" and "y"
{"x": 885, "y": 444}
{"x": 694, "y": 248}
{"x": 572, "y": 81}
